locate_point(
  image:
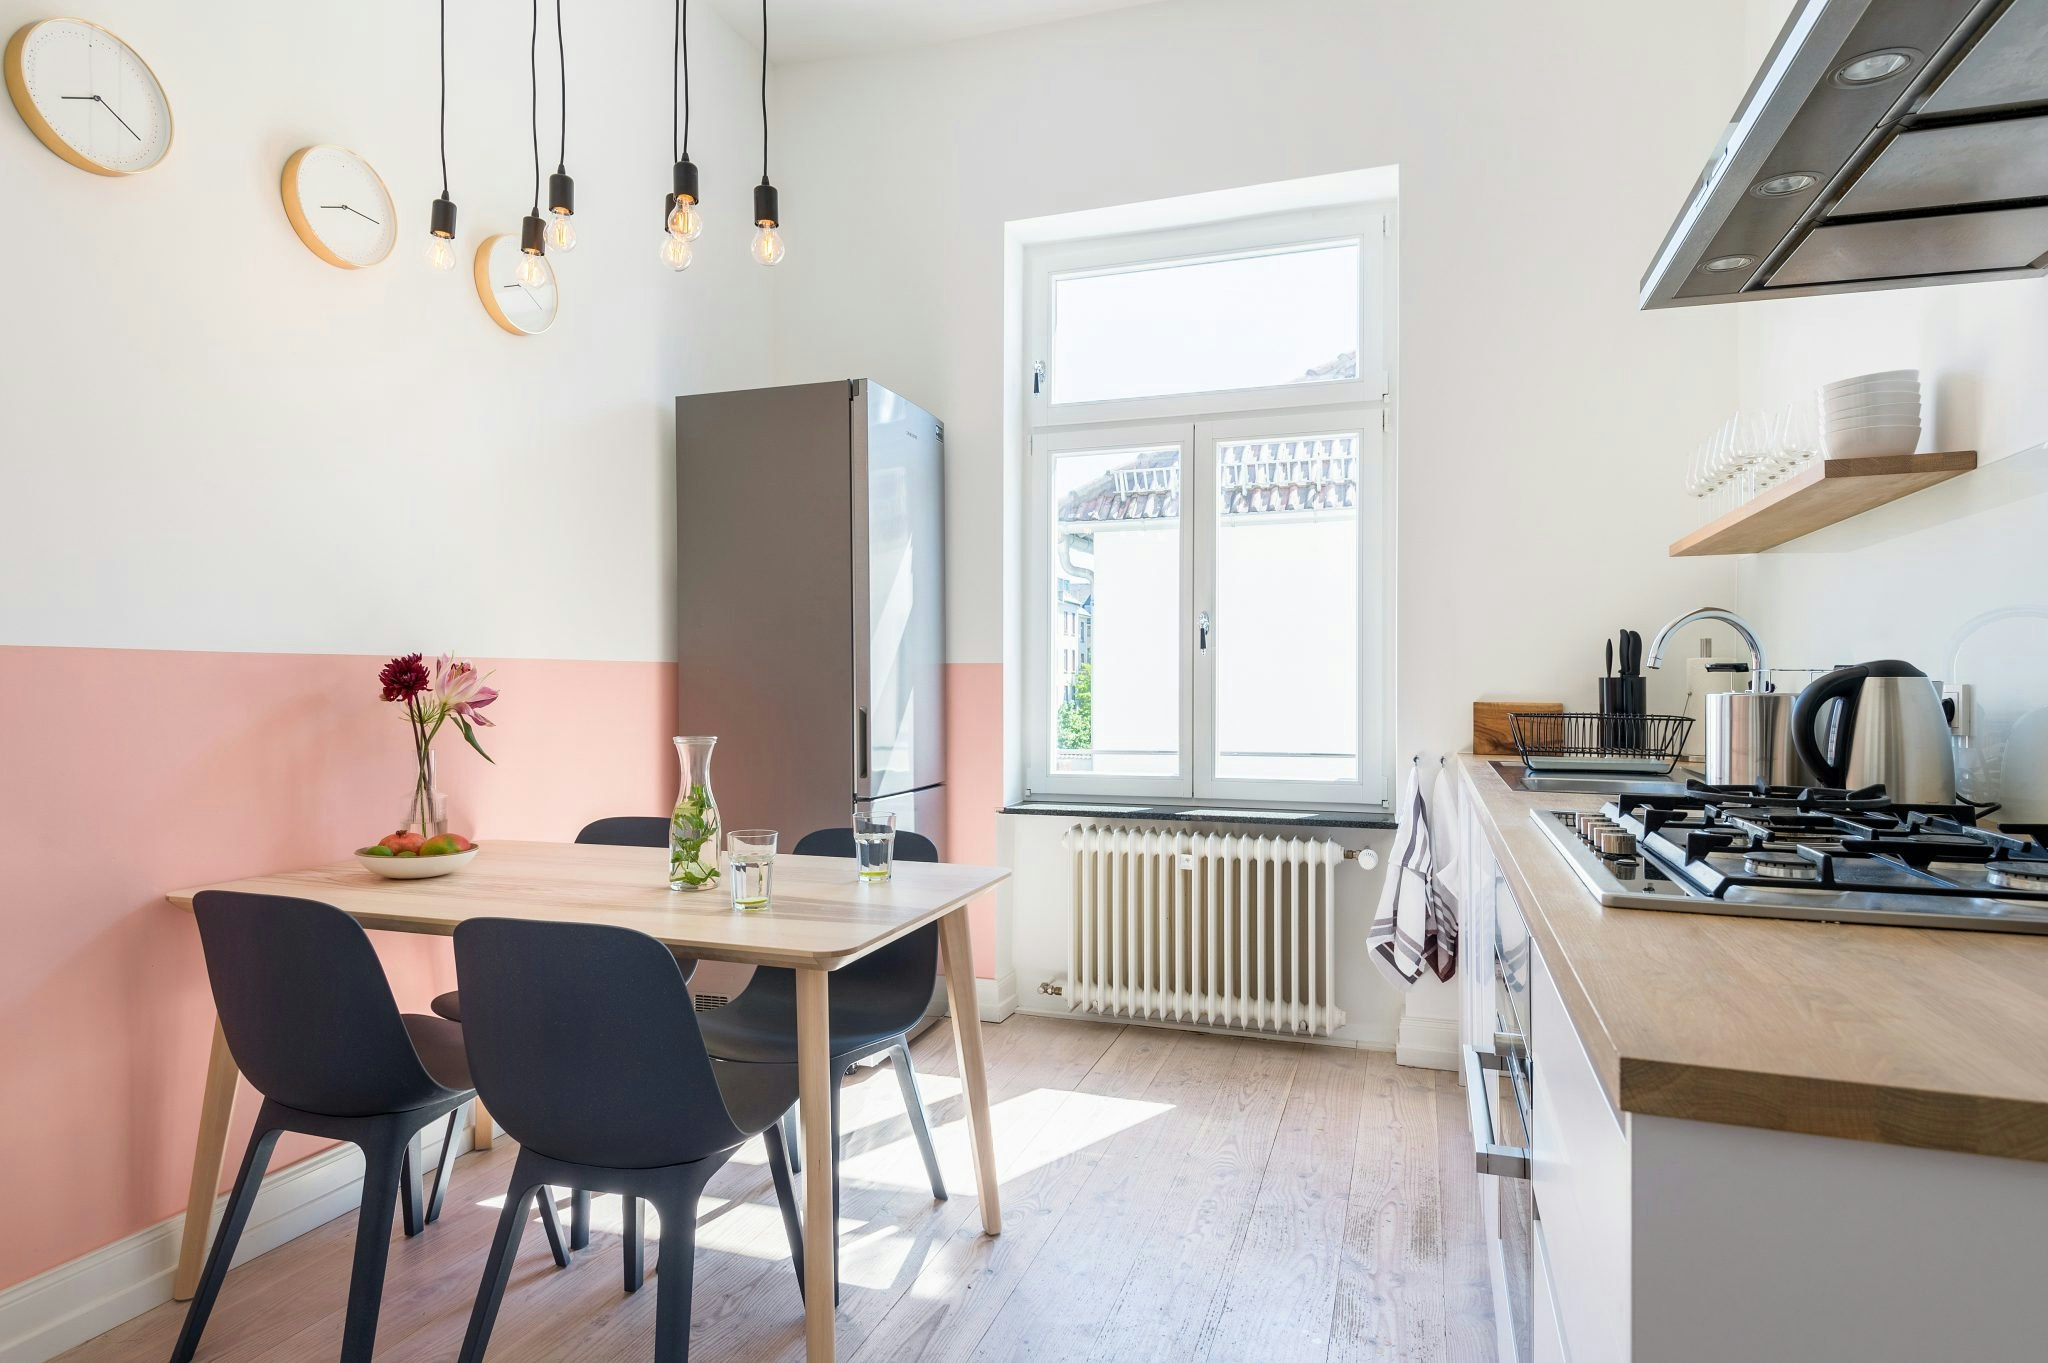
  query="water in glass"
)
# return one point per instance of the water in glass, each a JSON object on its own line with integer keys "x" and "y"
{"x": 751, "y": 853}
{"x": 874, "y": 844}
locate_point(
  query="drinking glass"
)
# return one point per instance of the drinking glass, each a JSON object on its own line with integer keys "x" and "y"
{"x": 874, "y": 844}
{"x": 751, "y": 852}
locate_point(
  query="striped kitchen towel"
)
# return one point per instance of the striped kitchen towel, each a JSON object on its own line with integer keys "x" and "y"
{"x": 1417, "y": 922}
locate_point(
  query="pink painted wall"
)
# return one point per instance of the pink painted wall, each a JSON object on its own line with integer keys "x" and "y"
{"x": 974, "y": 784}
{"x": 129, "y": 773}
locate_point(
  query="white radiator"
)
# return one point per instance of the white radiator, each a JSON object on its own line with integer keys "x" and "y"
{"x": 1195, "y": 927}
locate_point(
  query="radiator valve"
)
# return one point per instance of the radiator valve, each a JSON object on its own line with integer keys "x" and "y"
{"x": 1052, "y": 987}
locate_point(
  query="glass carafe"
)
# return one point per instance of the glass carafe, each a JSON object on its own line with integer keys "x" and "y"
{"x": 693, "y": 837}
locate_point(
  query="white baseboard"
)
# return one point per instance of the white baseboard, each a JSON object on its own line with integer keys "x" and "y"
{"x": 69, "y": 1304}
{"x": 1426, "y": 1043}
{"x": 996, "y": 999}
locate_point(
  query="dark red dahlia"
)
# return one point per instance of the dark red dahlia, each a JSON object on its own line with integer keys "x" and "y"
{"x": 404, "y": 678}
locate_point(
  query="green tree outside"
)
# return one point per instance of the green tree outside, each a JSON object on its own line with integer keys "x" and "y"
{"x": 1077, "y": 717}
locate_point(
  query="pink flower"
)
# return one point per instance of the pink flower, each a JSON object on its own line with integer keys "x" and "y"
{"x": 460, "y": 688}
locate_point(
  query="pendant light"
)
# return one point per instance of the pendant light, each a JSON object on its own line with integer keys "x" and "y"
{"x": 768, "y": 246}
{"x": 681, "y": 222}
{"x": 562, "y": 189}
{"x": 441, "y": 219}
{"x": 532, "y": 272}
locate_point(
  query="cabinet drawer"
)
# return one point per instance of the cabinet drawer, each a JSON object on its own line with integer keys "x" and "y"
{"x": 1549, "y": 1345}
{"x": 1579, "y": 1166}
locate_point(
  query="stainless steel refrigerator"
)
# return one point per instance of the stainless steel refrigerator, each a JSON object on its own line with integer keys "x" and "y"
{"x": 810, "y": 590}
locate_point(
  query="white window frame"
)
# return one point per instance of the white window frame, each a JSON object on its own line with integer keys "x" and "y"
{"x": 1195, "y": 422}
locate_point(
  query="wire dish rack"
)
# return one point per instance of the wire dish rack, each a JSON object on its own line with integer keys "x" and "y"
{"x": 1649, "y": 744}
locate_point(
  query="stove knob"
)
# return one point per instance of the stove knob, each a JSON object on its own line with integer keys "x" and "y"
{"x": 1615, "y": 842}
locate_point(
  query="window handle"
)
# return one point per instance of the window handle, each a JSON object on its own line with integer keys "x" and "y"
{"x": 1202, "y": 632}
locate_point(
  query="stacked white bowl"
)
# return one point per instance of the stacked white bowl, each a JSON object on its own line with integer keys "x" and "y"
{"x": 1872, "y": 414}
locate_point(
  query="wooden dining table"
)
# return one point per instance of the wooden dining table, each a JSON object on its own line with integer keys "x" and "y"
{"x": 821, "y": 917}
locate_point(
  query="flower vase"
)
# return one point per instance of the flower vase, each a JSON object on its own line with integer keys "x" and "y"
{"x": 426, "y": 808}
{"x": 693, "y": 830}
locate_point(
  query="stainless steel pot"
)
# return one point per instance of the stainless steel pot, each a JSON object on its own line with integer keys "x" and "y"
{"x": 1749, "y": 740}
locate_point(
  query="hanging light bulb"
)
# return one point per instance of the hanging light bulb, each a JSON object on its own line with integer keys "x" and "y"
{"x": 768, "y": 248}
{"x": 562, "y": 189}
{"x": 675, "y": 251}
{"x": 441, "y": 218}
{"x": 533, "y": 232}
{"x": 683, "y": 218}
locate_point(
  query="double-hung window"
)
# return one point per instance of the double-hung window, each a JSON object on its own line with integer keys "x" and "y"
{"x": 1207, "y": 558}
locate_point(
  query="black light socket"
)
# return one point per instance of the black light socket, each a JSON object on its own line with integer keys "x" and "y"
{"x": 561, "y": 193}
{"x": 767, "y": 212}
{"x": 685, "y": 182}
{"x": 442, "y": 221}
{"x": 533, "y": 235}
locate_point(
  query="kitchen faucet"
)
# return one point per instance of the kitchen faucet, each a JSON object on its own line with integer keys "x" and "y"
{"x": 1758, "y": 679}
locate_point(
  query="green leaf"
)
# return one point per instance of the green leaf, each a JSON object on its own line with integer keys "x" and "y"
{"x": 469, "y": 737}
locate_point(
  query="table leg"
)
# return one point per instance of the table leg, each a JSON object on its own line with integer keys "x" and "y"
{"x": 216, "y": 1111}
{"x": 814, "y": 1081}
{"x": 957, "y": 948}
{"x": 482, "y": 1130}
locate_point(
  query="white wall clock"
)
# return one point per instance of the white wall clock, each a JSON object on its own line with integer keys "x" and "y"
{"x": 88, "y": 96}
{"x": 339, "y": 206}
{"x": 522, "y": 309}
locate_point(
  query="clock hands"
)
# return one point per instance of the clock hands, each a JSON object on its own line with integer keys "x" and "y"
{"x": 357, "y": 211}
{"x": 110, "y": 109}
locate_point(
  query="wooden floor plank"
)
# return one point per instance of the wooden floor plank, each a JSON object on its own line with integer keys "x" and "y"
{"x": 1167, "y": 1194}
{"x": 1468, "y": 1290}
{"x": 1389, "y": 1306}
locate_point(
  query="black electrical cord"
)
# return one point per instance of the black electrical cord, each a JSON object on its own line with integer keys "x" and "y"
{"x": 683, "y": 36}
{"x": 444, "y": 98}
{"x": 562, "y": 154}
{"x": 764, "y": 91}
{"x": 533, "y": 80}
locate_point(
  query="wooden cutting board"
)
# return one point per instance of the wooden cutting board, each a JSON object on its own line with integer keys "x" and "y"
{"x": 1492, "y": 734}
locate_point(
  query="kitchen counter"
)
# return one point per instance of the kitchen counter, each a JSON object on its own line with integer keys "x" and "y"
{"x": 1900, "y": 1036}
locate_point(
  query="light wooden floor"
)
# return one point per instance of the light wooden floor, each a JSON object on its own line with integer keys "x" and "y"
{"x": 1167, "y": 1195}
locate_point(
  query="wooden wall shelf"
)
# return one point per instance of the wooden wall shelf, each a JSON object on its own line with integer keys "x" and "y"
{"x": 1830, "y": 491}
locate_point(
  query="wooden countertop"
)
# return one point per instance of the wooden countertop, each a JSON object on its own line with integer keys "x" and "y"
{"x": 1903, "y": 1036}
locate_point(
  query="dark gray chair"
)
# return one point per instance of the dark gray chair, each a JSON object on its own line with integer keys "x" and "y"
{"x": 875, "y": 1002}
{"x": 311, "y": 1023}
{"x": 623, "y": 830}
{"x": 583, "y": 1040}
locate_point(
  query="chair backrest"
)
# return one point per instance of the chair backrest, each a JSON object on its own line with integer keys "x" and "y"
{"x": 627, "y": 830}
{"x": 583, "y": 1043}
{"x": 306, "y": 1008}
{"x": 899, "y": 976}
{"x": 838, "y": 842}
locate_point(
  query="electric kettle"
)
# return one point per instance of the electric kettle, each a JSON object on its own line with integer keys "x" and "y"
{"x": 1889, "y": 728}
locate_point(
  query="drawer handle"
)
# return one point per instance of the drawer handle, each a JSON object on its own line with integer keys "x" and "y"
{"x": 1488, "y": 1157}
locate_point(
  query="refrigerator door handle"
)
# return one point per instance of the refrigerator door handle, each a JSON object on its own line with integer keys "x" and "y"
{"x": 862, "y": 741}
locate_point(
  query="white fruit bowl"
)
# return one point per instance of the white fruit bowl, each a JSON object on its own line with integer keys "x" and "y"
{"x": 1870, "y": 441}
{"x": 1902, "y": 414}
{"x": 1888, "y": 377}
{"x": 418, "y": 868}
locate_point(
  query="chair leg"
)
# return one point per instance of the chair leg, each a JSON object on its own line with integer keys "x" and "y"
{"x": 498, "y": 1267}
{"x": 579, "y": 1219}
{"x": 913, "y": 1103}
{"x": 412, "y": 1172}
{"x": 551, "y": 1222}
{"x": 261, "y": 1143}
{"x": 635, "y": 1245}
{"x": 444, "y": 1169}
{"x": 383, "y": 1165}
{"x": 785, "y": 1197}
{"x": 790, "y": 1141}
{"x": 676, "y": 1277}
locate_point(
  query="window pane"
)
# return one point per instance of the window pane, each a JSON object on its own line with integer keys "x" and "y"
{"x": 1115, "y": 568}
{"x": 1287, "y": 590}
{"x": 1204, "y": 326}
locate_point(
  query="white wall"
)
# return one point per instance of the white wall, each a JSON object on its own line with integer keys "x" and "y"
{"x": 213, "y": 440}
{"x": 1542, "y": 151}
{"x": 1908, "y": 580}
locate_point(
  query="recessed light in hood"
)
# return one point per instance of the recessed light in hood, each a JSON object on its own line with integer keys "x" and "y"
{"x": 1900, "y": 113}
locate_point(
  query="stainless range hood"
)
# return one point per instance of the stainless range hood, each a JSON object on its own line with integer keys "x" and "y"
{"x": 1884, "y": 144}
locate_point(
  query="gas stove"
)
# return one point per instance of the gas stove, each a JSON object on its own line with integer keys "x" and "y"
{"x": 1833, "y": 856}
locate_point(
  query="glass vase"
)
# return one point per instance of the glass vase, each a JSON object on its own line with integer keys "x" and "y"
{"x": 426, "y": 808}
{"x": 693, "y": 830}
